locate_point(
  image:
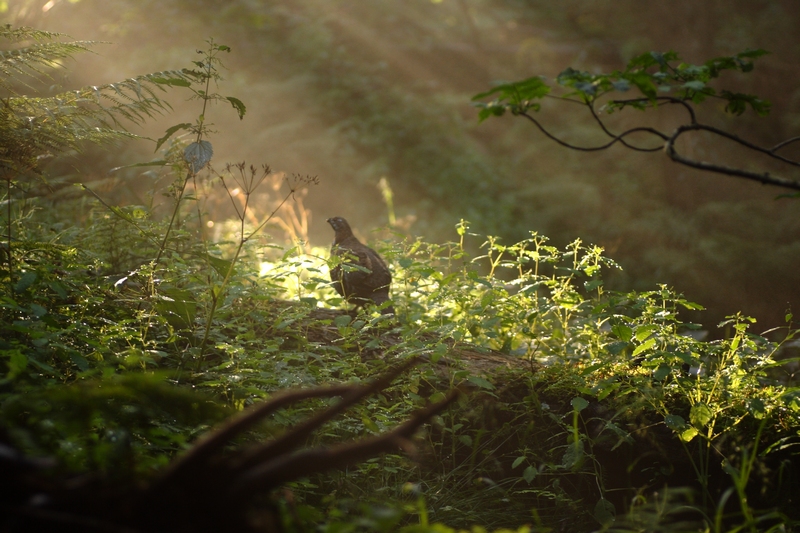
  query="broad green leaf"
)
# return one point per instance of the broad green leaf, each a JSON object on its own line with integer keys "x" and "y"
{"x": 518, "y": 461}
{"x": 688, "y": 434}
{"x": 694, "y": 85}
{"x": 17, "y": 363}
{"x": 25, "y": 281}
{"x": 221, "y": 266}
{"x": 342, "y": 321}
{"x": 662, "y": 372}
{"x": 622, "y": 331}
{"x": 42, "y": 366}
{"x": 529, "y": 474}
{"x": 38, "y": 310}
{"x": 574, "y": 456}
{"x": 756, "y": 408}
{"x": 642, "y": 332}
{"x": 644, "y": 347}
{"x": 579, "y": 404}
{"x": 604, "y": 512}
{"x": 370, "y": 425}
{"x": 197, "y": 155}
{"x": 178, "y": 306}
{"x": 700, "y": 415}
{"x": 593, "y": 284}
{"x": 481, "y": 382}
{"x": 80, "y": 361}
{"x": 621, "y": 85}
{"x": 436, "y": 397}
{"x": 675, "y": 422}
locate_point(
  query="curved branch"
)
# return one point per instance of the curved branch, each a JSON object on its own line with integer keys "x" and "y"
{"x": 614, "y": 140}
{"x": 784, "y": 143}
{"x": 623, "y": 141}
{"x": 764, "y": 178}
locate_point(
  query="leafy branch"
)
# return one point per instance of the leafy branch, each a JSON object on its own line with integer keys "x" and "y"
{"x": 662, "y": 79}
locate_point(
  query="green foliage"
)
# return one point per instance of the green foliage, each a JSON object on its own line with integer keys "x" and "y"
{"x": 654, "y": 74}
{"x": 124, "y": 338}
{"x": 35, "y": 126}
{"x": 628, "y": 353}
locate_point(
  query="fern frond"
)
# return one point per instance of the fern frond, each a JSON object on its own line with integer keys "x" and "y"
{"x": 33, "y": 126}
{"x": 23, "y": 33}
{"x": 29, "y": 62}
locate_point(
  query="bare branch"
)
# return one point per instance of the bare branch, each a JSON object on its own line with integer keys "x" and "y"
{"x": 623, "y": 141}
{"x": 736, "y": 139}
{"x": 784, "y": 143}
{"x": 615, "y": 139}
{"x": 213, "y": 442}
{"x": 282, "y": 468}
{"x": 764, "y": 178}
{"x": 298, "y": 435}
{"x": 669, "y": 144}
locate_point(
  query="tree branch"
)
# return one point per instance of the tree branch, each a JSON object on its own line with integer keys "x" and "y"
{"x": 281, "y": 469}
{"x": 623, "y": 141}
{"x": 614, "y": 140}
{"x": 763, "y": 178}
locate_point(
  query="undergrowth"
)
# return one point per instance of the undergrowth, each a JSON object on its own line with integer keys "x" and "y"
{"x": 129, "y": 333}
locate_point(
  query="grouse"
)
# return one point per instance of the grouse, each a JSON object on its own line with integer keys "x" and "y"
{"x": 362, "y": 275}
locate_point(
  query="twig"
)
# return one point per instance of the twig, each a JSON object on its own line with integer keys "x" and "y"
{"x": 615, "y": 139}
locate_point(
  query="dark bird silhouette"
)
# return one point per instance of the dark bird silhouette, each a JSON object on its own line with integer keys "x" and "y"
{"x": 362, "y": 275}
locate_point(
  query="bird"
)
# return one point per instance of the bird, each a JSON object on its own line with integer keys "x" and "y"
{"x": 362, "y": 275}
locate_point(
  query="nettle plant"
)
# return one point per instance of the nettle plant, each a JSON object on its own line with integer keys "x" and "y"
{"x": 549, "y": 306}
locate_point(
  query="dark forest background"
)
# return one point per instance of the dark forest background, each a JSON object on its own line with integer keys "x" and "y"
{"x": 354, "y": 92}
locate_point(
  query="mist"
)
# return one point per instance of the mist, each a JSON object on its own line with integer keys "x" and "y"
{"x": 357, "y": 92}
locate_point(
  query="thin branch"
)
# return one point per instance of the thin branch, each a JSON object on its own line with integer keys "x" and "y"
{"x": 669, "y": 144}
{"x": 736, "y": 139}
{"x": 623, "y": 141}
{"x": 764, "y": 178}
{"x": 784, "y": 143}
{"x": 614, "y": 140}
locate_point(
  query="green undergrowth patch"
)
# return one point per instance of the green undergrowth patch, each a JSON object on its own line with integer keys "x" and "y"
{"x": 126, "y": 333}
{"x": 583, "y": 406}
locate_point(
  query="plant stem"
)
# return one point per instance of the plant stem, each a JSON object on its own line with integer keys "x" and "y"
{"x": 8, "y": 227}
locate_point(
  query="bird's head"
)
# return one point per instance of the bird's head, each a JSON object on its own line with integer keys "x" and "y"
{"x": 341, "y": 227}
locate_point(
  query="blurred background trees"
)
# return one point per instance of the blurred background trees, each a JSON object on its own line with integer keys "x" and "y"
{"x": 356, "y": 92}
